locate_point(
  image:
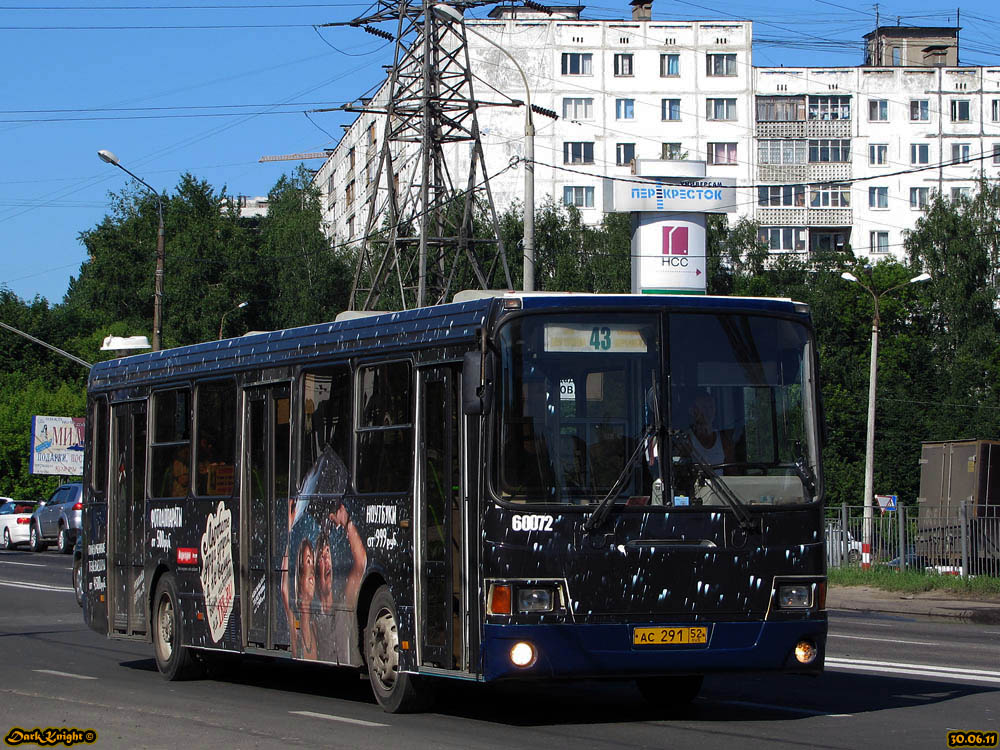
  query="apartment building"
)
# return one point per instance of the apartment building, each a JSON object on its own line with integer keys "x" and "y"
{"x": 623, "y": 90}
{"x": 852, "y": 156}
{"x": 825, "y": 157}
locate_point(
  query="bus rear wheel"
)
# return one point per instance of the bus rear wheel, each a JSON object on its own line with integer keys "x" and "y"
{"x": 175, "y": 661}
{"x": 396, "y": 691}
{"x": 670, "y": 692}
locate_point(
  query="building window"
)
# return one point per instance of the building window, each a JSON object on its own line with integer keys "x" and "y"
{"x": 878, "y": 242}
{"x": 996, "y": 110}
{"x": 672, "y": 151}
{"x": 897, "y": 56}
{"x": 878, "y": 110}
{"x": 623, "y": 64}
{"x": 624, "y": 153}
{"x": 349, "y": 193}
{"x": 960, "y": 110}
{"x": 919, "y": 197}
{"x": 581, "y": 196}
{"x": 996, "y": 153}
{"x": 350, "y": 226}
{"x": 919, "y": 153}
{"x": 775, "y": 196}
{"x": 577, "y": 108}
{"x": 878, "y": 197}
{"x": 826, "y": 240}
{"x": 823, "y": 150}
{"x": 721, "y": 65}
{"x": 782, "y": 152}
{"x": 721, "y": 153}
{"x": 783, "y": 239}
{"x": 878, "y": 154}
{"x": 670, "y": 65}
{"x": 957, "y": 193}
{"x": 721, "y": 109}
{"x": 351, "y": 158}
{"x": 829, "y": 108}
{"x": 577, "y": 63}
{"x": 780, "y": 109}
{"x": 625, "y": 109}
{"x": 670, "y": 109}
{"x": 578, "y": 152}
{"x": 919, "y": 110}
{"x": 830, "y": 196}
{"x": 960, "y": 153}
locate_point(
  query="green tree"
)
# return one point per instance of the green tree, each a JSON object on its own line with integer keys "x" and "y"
{"x": 312, "y": 281}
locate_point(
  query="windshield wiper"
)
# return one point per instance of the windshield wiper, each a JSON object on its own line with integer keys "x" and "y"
{"x": 600, "y": 513}
{"x": 806, "y": 474}
{"x": 719, "y": 486}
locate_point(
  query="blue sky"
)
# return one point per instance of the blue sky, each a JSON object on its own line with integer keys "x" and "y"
{"x": 175, "y": 86}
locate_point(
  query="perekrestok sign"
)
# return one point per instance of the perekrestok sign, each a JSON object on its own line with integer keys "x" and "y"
{"x": 705, "y": 195}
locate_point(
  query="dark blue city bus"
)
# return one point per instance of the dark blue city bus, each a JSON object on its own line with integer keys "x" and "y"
{"x": 510, "y": 487}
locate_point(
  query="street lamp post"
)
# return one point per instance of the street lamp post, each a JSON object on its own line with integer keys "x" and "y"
{"x": 223, "y": 321}
{"x": 110, "y": 158}
{"x": 449, "y": 13}
{"x": 866, "y": 528}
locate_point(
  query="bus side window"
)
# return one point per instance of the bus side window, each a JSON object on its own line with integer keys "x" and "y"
{"x": 99, "y": 447}
{"x": 384, "y": 428}
{"x": 216, "y": 446}
{"x": 171, "y": 444}
{"x": 326, "y": 430}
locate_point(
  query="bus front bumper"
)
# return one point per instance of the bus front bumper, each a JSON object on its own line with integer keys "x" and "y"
{"x": 607, "y": 650}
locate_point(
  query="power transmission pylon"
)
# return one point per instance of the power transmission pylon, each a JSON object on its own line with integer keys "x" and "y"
{"x": 418, "y": 237}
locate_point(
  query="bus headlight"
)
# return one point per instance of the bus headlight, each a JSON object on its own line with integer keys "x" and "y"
{"x": 793, "y": 596}
{"x": 805, "y": 652}
{"x": 522, "y": 654}
{"x": 535, "y": 600}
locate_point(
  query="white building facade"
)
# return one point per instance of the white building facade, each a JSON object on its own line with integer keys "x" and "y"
{"x": 823, "y": 157}
{"x": 872, "y": 145}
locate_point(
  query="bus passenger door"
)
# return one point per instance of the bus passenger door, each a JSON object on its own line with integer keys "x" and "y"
{"x": 442, "y": 601}
{"x": 126, "y": 522}
{"x": 265, "y": 509}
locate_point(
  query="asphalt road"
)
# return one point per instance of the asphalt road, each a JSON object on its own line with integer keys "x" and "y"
{"x": 891, "y": 682}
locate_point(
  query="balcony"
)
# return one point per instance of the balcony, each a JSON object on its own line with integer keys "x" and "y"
{"x": 805, "y": 129}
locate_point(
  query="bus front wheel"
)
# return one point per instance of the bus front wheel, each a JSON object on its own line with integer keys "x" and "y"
{"x": 175, "y": 661}
{"x": 396, "y": 691}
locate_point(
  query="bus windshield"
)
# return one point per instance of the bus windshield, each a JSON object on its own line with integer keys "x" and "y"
{"x": 579, "y": 396}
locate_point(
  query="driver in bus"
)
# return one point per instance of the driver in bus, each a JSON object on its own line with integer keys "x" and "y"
{"x": 710, "y": 445}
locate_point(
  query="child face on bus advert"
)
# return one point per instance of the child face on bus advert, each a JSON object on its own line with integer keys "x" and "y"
{"x": 305, "y": 583}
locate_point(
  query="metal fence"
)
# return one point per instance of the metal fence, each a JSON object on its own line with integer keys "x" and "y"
{"x": 912, "y": 538}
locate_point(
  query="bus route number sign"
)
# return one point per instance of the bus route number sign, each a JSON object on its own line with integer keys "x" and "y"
{"x": 670, "y": 636}
{"x": 595, "y": 338}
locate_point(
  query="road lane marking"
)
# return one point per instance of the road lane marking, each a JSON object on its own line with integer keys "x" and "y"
{"x": 64, "y": 674}
{"x": 35, "y": 586}
{"x": 882, "y": 640}
{"x": 921, "y": 670}
{"x": 344, "y": 719}
{"x": 30, "y": 565}
{"x": 772, "y": 707}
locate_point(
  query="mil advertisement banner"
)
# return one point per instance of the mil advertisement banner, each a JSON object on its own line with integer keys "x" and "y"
{"x": 57, "y": 445}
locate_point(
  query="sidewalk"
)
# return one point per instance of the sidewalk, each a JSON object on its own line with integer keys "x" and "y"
{"x": 923, "y": 603}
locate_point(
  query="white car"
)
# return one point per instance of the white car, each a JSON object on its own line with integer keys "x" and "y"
{"x": 15, "y": 521}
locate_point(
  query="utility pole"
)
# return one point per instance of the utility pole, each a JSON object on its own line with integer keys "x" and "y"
{"x": 418, "y": 236}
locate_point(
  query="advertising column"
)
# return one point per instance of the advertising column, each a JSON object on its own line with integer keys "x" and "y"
{"x": 669, "y": 201}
